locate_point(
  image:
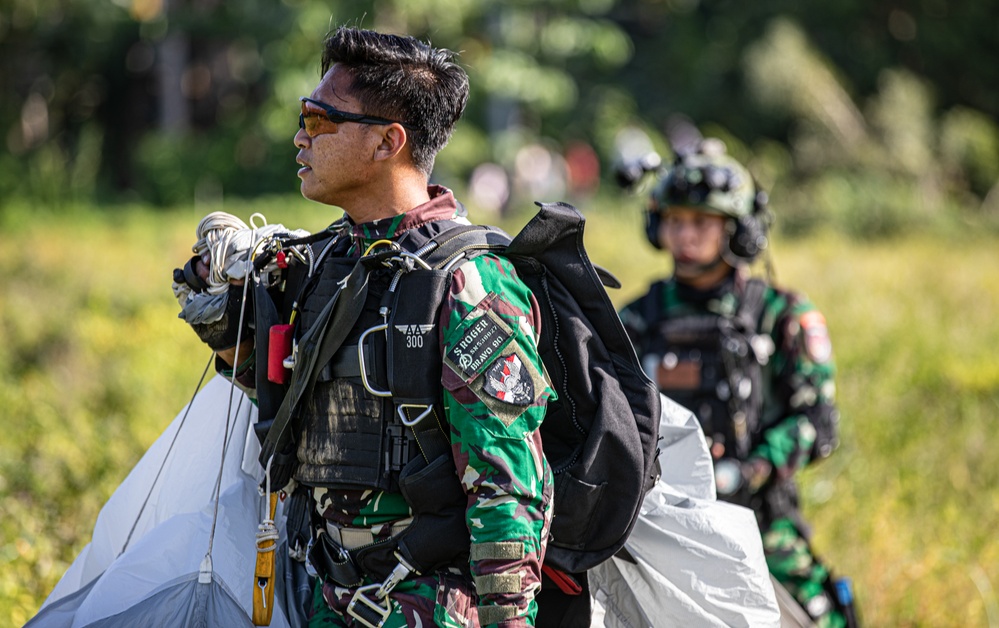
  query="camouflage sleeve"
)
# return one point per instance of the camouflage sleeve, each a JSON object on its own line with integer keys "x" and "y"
{"x": 806, "y": 390}
{"x": 495, "y": 394}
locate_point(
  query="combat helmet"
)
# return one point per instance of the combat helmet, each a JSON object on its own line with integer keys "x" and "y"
{"x": 710, "y": 180}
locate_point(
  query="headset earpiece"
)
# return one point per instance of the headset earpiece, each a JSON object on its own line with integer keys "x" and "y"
{"x": 749, "y": 238}
{"x": 652, "y": 221}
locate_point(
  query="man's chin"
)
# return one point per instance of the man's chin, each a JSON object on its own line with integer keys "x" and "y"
{"x": 688, "y": 270}
{"x": 306, "y": 189}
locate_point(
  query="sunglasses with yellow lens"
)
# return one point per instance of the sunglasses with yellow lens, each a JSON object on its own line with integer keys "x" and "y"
{"x": 318, "y": 118}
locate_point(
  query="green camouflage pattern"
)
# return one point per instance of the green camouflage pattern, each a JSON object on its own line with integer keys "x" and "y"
{"x": 790, "y": 560}
{"x": 498, "y": 457}
{"x": 496, "y": 444}
{"x": 802, "y": 381}
{"x": 446, "y": 601}
{"x": 798, "y": 379}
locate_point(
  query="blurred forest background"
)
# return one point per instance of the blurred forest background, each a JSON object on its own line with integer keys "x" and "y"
{"x": 872, "y": 124}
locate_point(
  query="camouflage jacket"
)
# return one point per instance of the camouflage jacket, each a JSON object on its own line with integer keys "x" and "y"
{"x": 493, "y": 409}
{"x": 799, "y": 417}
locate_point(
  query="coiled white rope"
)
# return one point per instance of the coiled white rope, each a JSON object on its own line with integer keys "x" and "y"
{"x": 227, "y": 246}
{"x": 221, "y": 234}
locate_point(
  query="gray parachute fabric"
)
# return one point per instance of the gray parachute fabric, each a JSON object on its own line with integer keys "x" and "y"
{"x": 690, "y": 560}
{"x": 146, "y": 563}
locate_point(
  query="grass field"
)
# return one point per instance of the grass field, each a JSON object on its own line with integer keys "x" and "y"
{"x": 95, "y": 363}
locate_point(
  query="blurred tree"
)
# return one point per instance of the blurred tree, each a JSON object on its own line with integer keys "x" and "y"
{"x": 86, "y": 84}
{"x": 176, "y": 99}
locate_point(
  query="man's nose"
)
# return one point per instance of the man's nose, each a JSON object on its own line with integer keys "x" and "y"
{"x": 302, "y": 139}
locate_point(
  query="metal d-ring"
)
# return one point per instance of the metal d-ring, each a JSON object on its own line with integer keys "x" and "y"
{"x": 411, "y": 422}
{"x": 360, "y": 362}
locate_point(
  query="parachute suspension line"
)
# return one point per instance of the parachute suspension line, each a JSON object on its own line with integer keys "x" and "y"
{"x": 206, "y": 564}
{"x": 166, "y": 456}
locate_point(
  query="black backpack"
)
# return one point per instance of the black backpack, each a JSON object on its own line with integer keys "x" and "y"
{"x": 600, "y": 435}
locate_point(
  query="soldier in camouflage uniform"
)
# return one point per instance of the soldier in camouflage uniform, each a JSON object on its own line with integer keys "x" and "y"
{"x": 751, "y": 360}
{"x": 369, "y": 134}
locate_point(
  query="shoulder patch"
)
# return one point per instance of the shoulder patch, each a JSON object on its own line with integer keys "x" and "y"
{"x": 479, "y": 345}
{"x": 508, "y": 380}
{"x": 817, "y": 343}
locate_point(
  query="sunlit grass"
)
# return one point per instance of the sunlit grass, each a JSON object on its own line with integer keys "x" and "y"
{"x": 95, "y": 364}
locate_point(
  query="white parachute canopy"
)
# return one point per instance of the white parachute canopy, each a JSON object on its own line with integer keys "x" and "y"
{"x": 690, "y": 560}
{"x": 159, "y": 554}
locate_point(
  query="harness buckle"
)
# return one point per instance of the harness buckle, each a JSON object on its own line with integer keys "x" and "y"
{"x": 371, "y": 605}
{"x": 360, "y": 360}
{"x": 397, "y": 452}
{"x": 370, "y": 612}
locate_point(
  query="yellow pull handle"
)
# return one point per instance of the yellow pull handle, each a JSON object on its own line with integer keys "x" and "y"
{"x": 263, "y": 593}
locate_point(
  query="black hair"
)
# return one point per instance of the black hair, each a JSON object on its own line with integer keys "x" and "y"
{"x": 404, "y": 79}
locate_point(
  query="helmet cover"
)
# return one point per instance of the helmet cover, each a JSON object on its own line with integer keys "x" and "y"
{"x": 709, "y": 180}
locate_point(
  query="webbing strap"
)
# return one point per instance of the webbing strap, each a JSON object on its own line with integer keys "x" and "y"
{"x": 406, "y": 385}
{"x": 457, "y": 240}
{"x": 337, "y": 318}
{"x": 316, "y": 347}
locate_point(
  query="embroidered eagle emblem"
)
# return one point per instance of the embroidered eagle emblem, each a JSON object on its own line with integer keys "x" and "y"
{"x": 508, "y": 380}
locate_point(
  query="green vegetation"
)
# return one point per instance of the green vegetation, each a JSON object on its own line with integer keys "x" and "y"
{"x": 851, "y": 113}
{"x": 882, "y": 158}
{"x": 95, "y": 364}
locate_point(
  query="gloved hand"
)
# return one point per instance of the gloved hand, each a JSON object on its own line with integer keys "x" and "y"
{"x": 225, "y": 331}
{"x": 214, "y": 317}
{"x": 210, "y": 286}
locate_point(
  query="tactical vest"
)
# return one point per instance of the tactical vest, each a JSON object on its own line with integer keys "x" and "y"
{"x": 713, "y": 365}
{"x": 344, "y": 441}
{"x": 350, "y": 432}
{"x": 355, "y": 432}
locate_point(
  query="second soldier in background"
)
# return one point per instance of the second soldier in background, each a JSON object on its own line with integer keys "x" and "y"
{"x": 752, "y": 361}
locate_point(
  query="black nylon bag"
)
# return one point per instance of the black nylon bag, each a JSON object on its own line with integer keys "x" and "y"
{"x": 600, "y": 435}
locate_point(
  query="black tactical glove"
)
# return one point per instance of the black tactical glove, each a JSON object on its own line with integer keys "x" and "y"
{"x": 226, "y": 333}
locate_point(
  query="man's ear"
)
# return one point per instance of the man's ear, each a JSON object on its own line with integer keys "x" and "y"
{"x": 393, "y": 140}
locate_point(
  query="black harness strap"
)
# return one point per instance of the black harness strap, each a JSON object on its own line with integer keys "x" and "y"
{"x": 316, "y": 347}
{"x": 322, "y": 340}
